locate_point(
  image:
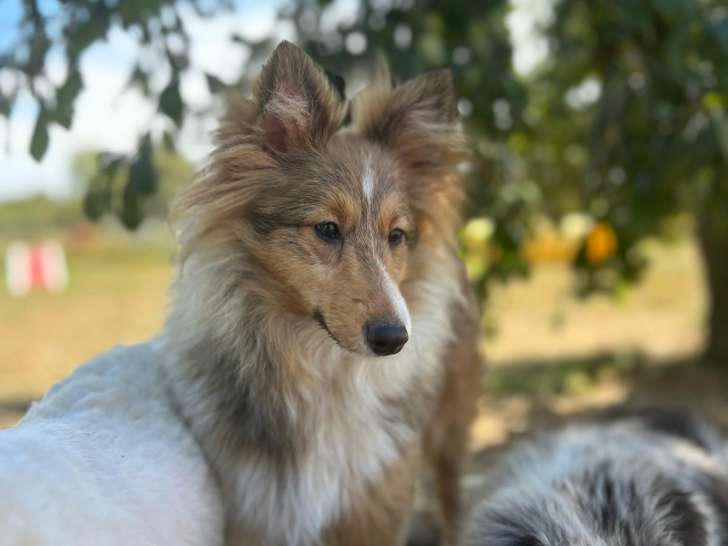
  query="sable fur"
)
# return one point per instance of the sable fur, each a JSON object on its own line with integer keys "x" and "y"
{"x": 645, "y": 478}
{"x": 313, "y": 438}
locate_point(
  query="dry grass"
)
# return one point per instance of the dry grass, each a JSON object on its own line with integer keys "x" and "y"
{"x": 116, "y": 296}
{"x": 662, "y": 316}
{"x": 555, "y": 357}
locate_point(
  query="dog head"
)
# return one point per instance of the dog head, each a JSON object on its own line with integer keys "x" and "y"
{"x": 330, "y": 220}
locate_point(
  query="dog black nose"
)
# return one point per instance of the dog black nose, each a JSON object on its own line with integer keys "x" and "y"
{"x": 385, "y": 338}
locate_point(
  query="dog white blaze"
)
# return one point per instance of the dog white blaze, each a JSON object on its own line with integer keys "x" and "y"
{"x": 367, "y": 182}
{"x": 396, "y": 299}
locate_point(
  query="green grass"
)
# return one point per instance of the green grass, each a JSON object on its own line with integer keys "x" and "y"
{"x": 38, "y": 216}
{"x": 564, "y": 376}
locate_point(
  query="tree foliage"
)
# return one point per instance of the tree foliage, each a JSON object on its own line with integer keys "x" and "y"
{"x": 153, "y": 177}
{"x": 654, "y": 140}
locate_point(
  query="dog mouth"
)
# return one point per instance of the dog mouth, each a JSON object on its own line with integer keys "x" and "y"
{"x": 319, "y": 317}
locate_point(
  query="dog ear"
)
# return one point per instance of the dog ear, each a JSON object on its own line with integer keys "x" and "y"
{"x": 417, "y": 122}
{"x": 382, "y": 112}
{"x": 298, "y": 107}
{"x": 416, "y": 119}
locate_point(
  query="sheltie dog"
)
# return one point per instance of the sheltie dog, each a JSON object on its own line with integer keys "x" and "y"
{"x": 321, "y": 329}
{"x": 654, "y": 477}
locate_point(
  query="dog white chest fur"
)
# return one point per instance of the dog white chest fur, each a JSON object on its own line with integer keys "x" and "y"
{"x": 349, "y": 447}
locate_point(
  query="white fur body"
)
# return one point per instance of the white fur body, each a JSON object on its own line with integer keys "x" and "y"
{"x": 340, "y": 408}
{"x": 104, "y": 459}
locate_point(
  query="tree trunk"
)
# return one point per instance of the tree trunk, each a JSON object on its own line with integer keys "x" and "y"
{"x": 714, "y": 247}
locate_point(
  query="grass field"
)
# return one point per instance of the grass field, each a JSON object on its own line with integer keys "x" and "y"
{"x": 547, "y": 343}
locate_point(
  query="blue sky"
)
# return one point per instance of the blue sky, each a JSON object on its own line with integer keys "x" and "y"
{"x": 9, "y": 19}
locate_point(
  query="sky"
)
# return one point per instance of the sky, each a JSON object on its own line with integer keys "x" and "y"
{"x": 107, "y": 117}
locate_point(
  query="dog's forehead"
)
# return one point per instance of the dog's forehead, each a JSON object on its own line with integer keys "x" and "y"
{"x": 367, "y": 170}
{"x": 352, "y": 179}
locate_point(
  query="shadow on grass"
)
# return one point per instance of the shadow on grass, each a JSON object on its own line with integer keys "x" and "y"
{"x": 549, "y": 377}
{"x": 578, "y": 375}
{"x": 11, "y": 410}
{"x": 15, "y": 405}
{"x": 530, "y": 397}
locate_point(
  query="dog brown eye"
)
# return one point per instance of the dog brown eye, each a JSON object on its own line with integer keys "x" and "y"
{"x": 328, "y": 231}
{"x": 396, "y": 236}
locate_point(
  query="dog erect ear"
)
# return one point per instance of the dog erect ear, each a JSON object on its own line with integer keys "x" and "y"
{"x": 416, "y": 121}
{"x": 297, "y": 105}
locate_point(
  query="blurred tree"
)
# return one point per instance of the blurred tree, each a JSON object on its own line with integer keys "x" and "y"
{"x": 96, "y": 183}
{"x": 646, "y": 85}
{"x": 626, "y": 119}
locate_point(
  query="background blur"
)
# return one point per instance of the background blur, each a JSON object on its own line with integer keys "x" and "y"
{"x": 598, "y": 218}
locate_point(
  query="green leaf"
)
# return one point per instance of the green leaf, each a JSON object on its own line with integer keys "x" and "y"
{"x": 65, "y": 98}
{"x": 168, "y": 140}
{"x": 6, "y": 105}
{"x": 64, "y": 118}
{"x": 109, "y": 163}
{"x": 39, "y": 45}
{"x": 143, "y": 176}
{"x": 139, "y": 77}
{"x": 99, "y": 196}
{"x": 670, "y": 8}
{"x": 85, "y": 31}
{"x": 170, "y": 101}
{"x": 39, "y": 140}
{"x": 215, "y": 84}
{"x": 70, "y": 89}
{"x": 96, "y": 203}
{"x": 131, "y": 214}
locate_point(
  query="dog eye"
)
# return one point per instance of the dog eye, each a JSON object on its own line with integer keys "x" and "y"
{"x": 328, "y": 231}
{"x": 396, "y": 236}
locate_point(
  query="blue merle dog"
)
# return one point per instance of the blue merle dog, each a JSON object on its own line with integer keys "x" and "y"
{"x": 653, "y": 477}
